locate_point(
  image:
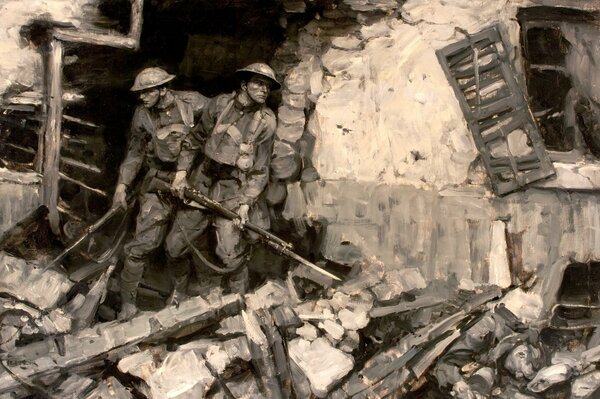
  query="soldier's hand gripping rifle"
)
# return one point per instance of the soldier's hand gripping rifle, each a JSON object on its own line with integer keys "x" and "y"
{"x": 268, "y": 238}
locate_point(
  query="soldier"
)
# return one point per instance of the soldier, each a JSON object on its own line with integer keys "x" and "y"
{"x": 235, "y": 137}
{"x": 158, "y": 129}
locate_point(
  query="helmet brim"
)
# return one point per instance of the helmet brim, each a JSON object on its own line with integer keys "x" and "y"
{"x": 242, "y": 75}
{"x": 137, "y": 87}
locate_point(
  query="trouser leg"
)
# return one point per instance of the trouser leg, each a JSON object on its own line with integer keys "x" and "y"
{"x": 151, "y": 227}
{"x": 232, "y": 249}
{"x": 189, "y": 223}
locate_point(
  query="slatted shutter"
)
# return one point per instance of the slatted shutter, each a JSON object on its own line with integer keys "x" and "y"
{"x": 496, "y": 111}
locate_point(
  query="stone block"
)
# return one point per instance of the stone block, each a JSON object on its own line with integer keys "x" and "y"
{"x": 321, "y": 363}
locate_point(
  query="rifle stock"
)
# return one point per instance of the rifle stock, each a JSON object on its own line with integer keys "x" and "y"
{"x": 279, "y": 245}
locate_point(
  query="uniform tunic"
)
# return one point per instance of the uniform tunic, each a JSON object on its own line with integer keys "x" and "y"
{"x": 154, "y": 144}
{"x": 236, "y": 142}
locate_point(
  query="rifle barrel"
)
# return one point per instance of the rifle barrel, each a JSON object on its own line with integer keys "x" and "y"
{"x": 88, "y": 231}
{"x": 269, "y": 238}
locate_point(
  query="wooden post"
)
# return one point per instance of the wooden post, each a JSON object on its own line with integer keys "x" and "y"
{"x": 52, "y": 134}
{"x": 135, "y": 28}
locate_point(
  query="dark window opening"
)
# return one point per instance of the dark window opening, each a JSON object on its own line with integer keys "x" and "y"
{"x": 578, "y": 302}
{"x": 550, "y": 87}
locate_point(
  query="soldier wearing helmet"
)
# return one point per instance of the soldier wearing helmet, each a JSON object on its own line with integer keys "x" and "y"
{"x": 234, "y": 140}
{"x": 159, "y": 126}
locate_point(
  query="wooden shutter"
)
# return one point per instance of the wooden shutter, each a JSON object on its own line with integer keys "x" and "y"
{"x": 496, "y": 111}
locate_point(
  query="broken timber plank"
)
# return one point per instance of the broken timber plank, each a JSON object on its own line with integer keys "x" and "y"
{"x": 51, "y": 357}
{"x": 394, "y": 359}
{"x": 419, "y": 303}
{"x": 84, "y": 315}
{"x": 279, "y": 350}
{"x": 262, "y": 357}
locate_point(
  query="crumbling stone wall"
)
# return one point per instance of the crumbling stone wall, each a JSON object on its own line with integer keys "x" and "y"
{"x": 400, "y": 174}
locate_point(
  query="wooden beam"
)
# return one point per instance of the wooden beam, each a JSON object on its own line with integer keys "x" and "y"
{"x": 83, "y": 185}
{"x": 131, "y": 41}
{"x": 52, "y": 134}
{"x": 135, "y": 28}
{"x": 80, "y": 121}
{"x": 99, "y": 39}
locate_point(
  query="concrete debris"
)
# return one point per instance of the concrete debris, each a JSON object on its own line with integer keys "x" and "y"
{"x": 322, "y": 364}
{"x": 28, "y": 283}
{"x": 262, "y": 355}
{"x": 56, "y": 322}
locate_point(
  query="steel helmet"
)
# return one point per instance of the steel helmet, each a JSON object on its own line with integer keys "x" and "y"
{"x": 258, "y": 68}
{"x": 151, "y": 77}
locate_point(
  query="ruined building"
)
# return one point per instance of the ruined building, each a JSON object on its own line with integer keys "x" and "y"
{"x": 418, "y": 142}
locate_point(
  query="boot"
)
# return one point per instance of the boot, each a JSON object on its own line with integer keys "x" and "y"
{"x": 179, "y": 293}
{"x": 128, "y": 307}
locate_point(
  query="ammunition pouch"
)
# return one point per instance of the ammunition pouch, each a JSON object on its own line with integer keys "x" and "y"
{"x": 156, "y": 181}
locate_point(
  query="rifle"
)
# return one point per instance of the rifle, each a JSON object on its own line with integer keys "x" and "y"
{"x": 267, "y": 237}
{"x": 91, "y": 229}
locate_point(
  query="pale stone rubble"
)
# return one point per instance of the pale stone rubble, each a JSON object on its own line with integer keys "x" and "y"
{"x": 380, "y": 332}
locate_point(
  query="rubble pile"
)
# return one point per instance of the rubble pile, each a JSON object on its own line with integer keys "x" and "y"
{"x": 379, "y": 333}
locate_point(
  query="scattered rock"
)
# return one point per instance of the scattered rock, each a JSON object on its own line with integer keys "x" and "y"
{"x": 332, "y": 328}
{"x": 321, "y": 363}
{"x": 308, "y": 332}
{"x": 30, "y": 284}
{"x": 353, "y": 320}
{"x": 271, "y": 294}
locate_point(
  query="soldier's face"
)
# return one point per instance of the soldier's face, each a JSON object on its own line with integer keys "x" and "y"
{"x": 150, "y": 97}
{"x": 258, "y": 89}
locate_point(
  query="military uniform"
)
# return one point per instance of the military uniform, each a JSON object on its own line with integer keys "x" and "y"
{"x": 237, "y": 142}
{"x": 154, "y": 145}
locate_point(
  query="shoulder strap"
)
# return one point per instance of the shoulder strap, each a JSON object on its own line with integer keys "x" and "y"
{"x": 186, "y": 112}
